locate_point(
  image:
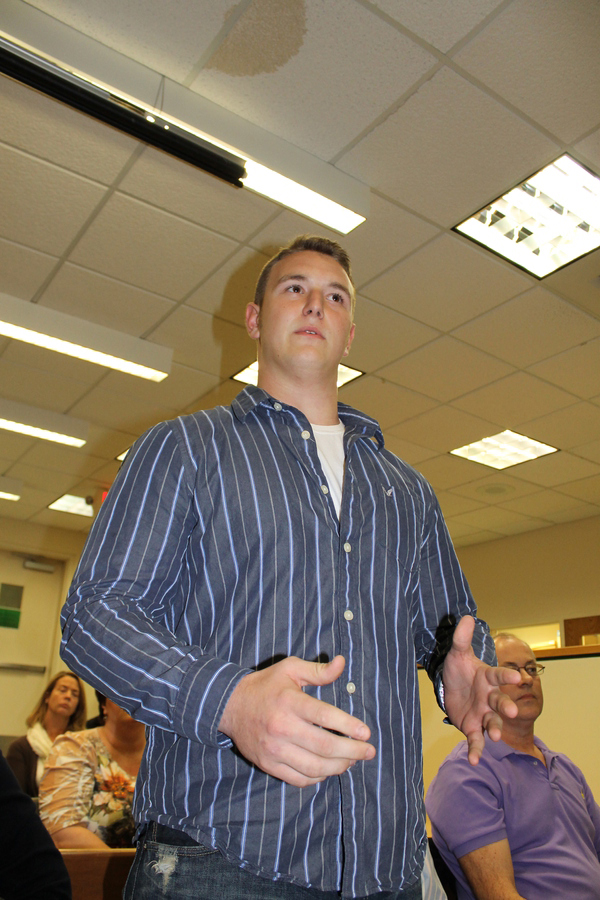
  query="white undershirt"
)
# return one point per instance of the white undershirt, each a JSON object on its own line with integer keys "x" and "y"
{"x": 330, "y": 447}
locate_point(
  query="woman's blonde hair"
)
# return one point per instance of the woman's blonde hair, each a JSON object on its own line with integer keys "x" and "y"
{"x": 77, "y": 720}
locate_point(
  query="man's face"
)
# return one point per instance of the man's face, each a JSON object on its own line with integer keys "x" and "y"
{"x": 527, "y": 694}
{"x": 305, "y": 321}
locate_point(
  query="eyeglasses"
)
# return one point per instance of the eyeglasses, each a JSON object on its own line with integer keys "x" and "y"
{"x": 534, "y": 670}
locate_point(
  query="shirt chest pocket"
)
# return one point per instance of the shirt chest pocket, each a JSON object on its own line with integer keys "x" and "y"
{"x": 394, "y": 518}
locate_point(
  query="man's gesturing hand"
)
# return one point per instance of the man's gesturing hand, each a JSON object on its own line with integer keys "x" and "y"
{"x": 288, "y": 733}
{"x": 472, "y": 695}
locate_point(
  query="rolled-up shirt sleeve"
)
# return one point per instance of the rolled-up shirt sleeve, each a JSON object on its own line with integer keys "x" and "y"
{"x": 120, "y": 617}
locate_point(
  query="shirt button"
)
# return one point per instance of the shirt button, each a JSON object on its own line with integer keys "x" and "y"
{"x": 347, "y": 547}
{"x": 324, "y": 488}
{"x": 277, "y": 406}
{"x": 348, "y": 615}
{"x": 305, "y": 435}
{"x": 350, "y": 687}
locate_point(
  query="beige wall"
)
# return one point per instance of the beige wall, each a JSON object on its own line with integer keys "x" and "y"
{"x": 43, "y": 598}
{"x": 540, "y": 576}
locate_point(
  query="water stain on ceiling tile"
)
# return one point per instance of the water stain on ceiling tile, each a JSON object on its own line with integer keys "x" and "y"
{"x": 263, "y": 39}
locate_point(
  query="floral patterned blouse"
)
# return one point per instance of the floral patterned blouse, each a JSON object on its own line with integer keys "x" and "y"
{"x": 82, "y": 785}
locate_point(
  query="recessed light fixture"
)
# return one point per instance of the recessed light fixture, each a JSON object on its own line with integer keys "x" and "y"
{"x": 10, "y": 488}
{"x": 69, "y": 503}
{"x": 545, "y": 222}
{"x": 42, "y": 423}
{"x": 503, "y": 450}
{"x": 54, "y": 330}
{"x": 249, "y": 375}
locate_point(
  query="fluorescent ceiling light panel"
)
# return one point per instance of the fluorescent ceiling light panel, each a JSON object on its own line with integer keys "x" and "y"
{"x": 41, "y": 423}
{"x": 503, "y": 450}
{"x": 219, "y": 154}
{"x": 249, "y": 375}
{"x": 10, "y": 488}
{"x": 67, "y": 334}
{"x": 545, "y": 222}
{"x": 69, "y": 503}
{"x": 309, "y": 203}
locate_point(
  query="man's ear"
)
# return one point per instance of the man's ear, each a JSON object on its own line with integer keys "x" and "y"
{"x": 253, "y": 321}
{"x": 350, "y": 339}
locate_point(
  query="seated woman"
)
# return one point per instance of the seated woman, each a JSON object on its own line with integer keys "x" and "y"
{"x": 60, "y": 708}
{"x": 87, "y": 789}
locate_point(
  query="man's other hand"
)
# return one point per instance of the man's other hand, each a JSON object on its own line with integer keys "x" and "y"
{"x": 472, "y": 695}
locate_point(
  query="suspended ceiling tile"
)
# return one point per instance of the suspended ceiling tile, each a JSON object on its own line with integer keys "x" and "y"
{"x": 589, "y": 149}
{"x": 448, "y": 150}
{"x": 383, "y": 335}
{"x": 445, "y": 369}
{"x": 542, "y": 56}
{"x": 210, "y": 345}
{"x": 543, "y": 504}
{"x": 273, "y": 49}
{"x": 51, "y": 518}
{"x": 385, "y": 402}
{"x": 13, "y": 446}
{"x": 446, "y": 283}
{"x": 42, "y": 478}
{"x": 444, "y": 429}
{"x": 23, "y": 270}
{"x": 44, "y": 362}
{"x": 222, "y": 395}
{"x": 496, "y": 487}
{"x": 577, "y": 370}
{"x": 573, "y": 513}
{"x": 410, "y": 453}
{"x": 446, "y": 472}
{"x": 137, "y": 243}
{"x": 515, "y": 399}
{"x": 46, "y": 390}
{"x": 590, "y": 450}
{"x": 556, "y": 469}
{"x": 587, "y": 489}
{"x": 579, "y": 282}
{"x": 389, "y": 234}
{"x": 118, "y": 411}
{"x": 182, "y": 387}
{"x": 148, "y": 33}
{"x": 108, "y": 443}
{"x": 54, "y": 132}
{"x": 438, "y": 22}
{"x": 227, "y": 292}
{"x": 566, "y": 428}
{"x": 529, "y": 328}
{"x": 187, "y": 191}
{"x": 43, "y": 207}
{"x": 453, "y": 505}
{"x": 502, "y": 521}
{"x": 106, "y": 301}
{"x": 58, "y": 458}
{"x": 463, "y": 536}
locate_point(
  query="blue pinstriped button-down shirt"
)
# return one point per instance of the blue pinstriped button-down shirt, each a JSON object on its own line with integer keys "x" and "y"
{"x": 218, "y": 551}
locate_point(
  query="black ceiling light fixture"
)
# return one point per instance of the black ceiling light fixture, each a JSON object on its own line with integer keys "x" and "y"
{"x": 33, "y": 70}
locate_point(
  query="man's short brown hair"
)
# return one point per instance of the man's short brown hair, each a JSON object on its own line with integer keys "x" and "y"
{"x": 304, "y": 242}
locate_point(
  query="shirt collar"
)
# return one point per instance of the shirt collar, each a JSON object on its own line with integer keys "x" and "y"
{"x": 499, "y": 750}
{"x": 252, "y": 397}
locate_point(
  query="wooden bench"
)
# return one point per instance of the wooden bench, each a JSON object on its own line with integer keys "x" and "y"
{"x": 98, "y": 874}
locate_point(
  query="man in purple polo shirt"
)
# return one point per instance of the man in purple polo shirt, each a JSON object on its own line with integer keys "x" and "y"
{"x": 523, "y": 823}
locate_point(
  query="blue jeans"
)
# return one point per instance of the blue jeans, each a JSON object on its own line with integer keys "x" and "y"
{"x": 171, "y": 866}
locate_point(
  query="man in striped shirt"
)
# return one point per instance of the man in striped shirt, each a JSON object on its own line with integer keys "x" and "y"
{"x": 258, "y": 588}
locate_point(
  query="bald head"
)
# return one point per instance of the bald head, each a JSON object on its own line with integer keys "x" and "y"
{"x": 527, "y": 694}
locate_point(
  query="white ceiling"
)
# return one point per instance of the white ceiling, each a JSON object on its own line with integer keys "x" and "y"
{"x": 439, "y": 107}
